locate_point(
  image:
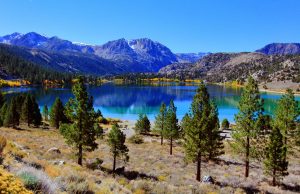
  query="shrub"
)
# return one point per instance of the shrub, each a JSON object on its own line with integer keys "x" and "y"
{"x": 75, "y": 184}
{"x": 136, "y": 139}
{"x": 94, "y": 164}
{"x": 9, "y": 184}
{"x": 36, "y": 180}
{"x": 30, "y": 181}
{"x": 13, "y": 150}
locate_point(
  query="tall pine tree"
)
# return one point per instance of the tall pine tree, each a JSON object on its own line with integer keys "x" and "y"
{"x": 160, "y": 121}
{"x": 215, "y": 140}
{"x": 12, "y": 117}
{"x": 27, "y": 110}
{"x": 45, "y": 112}
{"x": 2, "y": 100}
{"x": 195, "y": 125}
{"x": 245, "y": 133}
{"x": 286, "y": 115}
{"x": 171, "y": 131}
{"x": 275, "y": 163}
{"x": 37, "y": 117}
{"x": 3, "y": 111}
{"x": 57, "y": 113}
{"x": 116, "y": 141}
{"x": 82, "y": 133}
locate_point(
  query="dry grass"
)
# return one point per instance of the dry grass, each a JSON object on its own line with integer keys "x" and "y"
{"x": 150, "y": 168}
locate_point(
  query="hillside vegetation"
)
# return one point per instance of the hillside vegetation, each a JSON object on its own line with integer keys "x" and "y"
{"x": 74, "y": 149}
{"x": 222, "y": 67}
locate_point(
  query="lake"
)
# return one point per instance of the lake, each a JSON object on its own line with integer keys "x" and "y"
{"x": 128, "y": 101}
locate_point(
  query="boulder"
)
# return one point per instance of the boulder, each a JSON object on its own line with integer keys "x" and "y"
{"x": 59, "y": 162}
{"x": 208, "y": 179}
{"x": 54, "y": 150}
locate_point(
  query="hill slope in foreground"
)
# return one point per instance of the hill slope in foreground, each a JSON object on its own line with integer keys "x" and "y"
{"x": 150, "y": 168}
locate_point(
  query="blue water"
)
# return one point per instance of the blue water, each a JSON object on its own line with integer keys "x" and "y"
{"x": 128, "y": 101}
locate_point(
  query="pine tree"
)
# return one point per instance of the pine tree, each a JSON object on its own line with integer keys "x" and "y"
{"x": 171, "y": 131}
{"x": 194, "y": 126}
{"x": 27, "y": 110}
{"x": 275, "y": 163}
{"x": 286, "y": 115}
{"x": 12, "y": 117}
{"x": 215, "y": 140}
{"x": 46, "y": 112}
{"x": 225, "y": 124}
{"x": 264, "y": 128}
{"x": 160, "y": 121}
{"x": 3, "y": 111}
{"x": 116, "y": 141}
{"x": 81, "y": 133}
{"x": 37, "y": 117}
{"x": 245, "y": 132}
{"x": 142, "y": 125}
{"x": 2, "y": 100}
{"x": 57, "y": 114}
{"x": 20, "y": 99}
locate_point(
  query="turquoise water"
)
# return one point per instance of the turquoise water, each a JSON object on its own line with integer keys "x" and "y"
{"x": 128, "y": 101}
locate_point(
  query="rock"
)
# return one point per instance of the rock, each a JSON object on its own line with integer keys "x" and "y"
{"x": 54, "y": 150}
{"x": 59, "y": 162}
{"x": 208, "y": 179}
{"x": 120, "y": 170}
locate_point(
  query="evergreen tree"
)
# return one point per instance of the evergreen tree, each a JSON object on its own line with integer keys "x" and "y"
{"x": 195, "y": 126}
{"x": 116, "y": 141}
{"x": 12, "y": 117}
{"x": 3, "y": 111}
{"x": 37, "y": 117}
{"x": 81, "y": 133}
{"x": 275, "y": 163}
{"x": 215, "y": 140}
{"x": 264, "y": 126}
{"x": 245, "y": 132}
{"x": 142, "y": 125}
{"x": 2, "y": 100}
{"x": 286, "y": 115}
{"x": 171, "y": 131}
{"x": 225, "y": 124}
{"x": 27, "y": 110}
{"x": 46, "y": 112}
{"x": 20, "y": 99}
{"x": 57, "y": 114}
{"x": 160, "y": 121}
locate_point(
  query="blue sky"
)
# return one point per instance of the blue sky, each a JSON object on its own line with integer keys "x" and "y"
{"x": 184, "y": 26}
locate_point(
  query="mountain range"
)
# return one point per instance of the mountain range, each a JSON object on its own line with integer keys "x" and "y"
{"x": 113, "y": 57}
{"x": 145, "y": 55}
{"x": 222, "y": 67}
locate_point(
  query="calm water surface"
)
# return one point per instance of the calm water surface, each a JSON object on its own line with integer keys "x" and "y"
{"x": 128, "y": 101}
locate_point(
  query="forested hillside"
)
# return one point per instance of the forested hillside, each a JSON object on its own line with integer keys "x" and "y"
{"x": 14, "y": 67}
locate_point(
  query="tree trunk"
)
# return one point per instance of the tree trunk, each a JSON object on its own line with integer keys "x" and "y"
{"x": 247, "y": 157}
{"x": 274, "y": 177}
{"x": 171, "y": 146}
{"x": 161, "y": 135}
{"x": 80, "y": 155}
{"x": 114, "y": 164}
{"x": 198, "y": 178}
